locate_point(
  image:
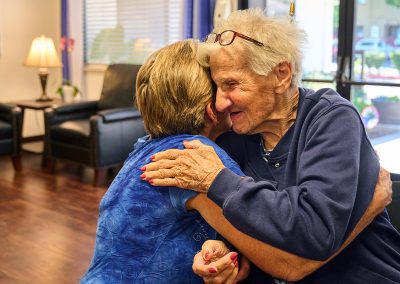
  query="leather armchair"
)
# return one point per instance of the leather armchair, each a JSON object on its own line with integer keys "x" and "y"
{"x": 10, "y": 133}
{"x": 99, "y": 134}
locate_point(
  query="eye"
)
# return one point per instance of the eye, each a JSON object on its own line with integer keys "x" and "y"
{"x": 229, "y": 85}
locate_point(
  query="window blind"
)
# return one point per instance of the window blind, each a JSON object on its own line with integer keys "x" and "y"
{"x": 128, "y": 31}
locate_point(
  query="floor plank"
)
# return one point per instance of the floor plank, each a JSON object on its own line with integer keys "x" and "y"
{"x": 47, "y": 222}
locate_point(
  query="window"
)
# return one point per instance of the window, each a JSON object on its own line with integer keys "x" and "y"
{"x": 129, "y": 31}
{"x": 355, "y": 46}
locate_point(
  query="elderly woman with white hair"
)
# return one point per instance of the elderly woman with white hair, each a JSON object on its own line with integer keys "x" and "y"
{"x": 146, "y": 235}
{"x": 311, "y": 170}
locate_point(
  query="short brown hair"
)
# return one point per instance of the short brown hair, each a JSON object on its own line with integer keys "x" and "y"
{"x": 173, "y": 89}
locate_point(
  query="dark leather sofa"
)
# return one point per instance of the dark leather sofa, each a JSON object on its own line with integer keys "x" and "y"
{"x": 10, "y": 133}
{"x": 99, "y": 134}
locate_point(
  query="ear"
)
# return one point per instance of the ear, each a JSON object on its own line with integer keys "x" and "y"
{"x": 283, "y": 72}
{"x": 210, "y": 114}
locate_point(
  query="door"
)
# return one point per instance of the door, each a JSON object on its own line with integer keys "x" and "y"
{"x": 354, "y": 47}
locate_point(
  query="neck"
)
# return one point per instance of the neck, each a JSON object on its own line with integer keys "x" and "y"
{"x": 284, "y": 120}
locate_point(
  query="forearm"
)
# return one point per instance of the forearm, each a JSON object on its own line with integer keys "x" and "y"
{"x": 272, "y": 260}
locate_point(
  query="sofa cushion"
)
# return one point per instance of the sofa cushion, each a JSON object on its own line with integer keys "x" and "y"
{"x": 75, "y": 132}
{"x": 118, "y": 86}
{"x": 5, "y": 130}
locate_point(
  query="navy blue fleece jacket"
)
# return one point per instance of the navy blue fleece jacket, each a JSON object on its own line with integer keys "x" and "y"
{"x": 309, "y": 193}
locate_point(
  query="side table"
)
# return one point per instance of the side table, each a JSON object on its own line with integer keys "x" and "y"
{"x": 35, "y": 105}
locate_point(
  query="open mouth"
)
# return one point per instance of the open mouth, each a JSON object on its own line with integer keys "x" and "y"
{"x": 235, "y": 114}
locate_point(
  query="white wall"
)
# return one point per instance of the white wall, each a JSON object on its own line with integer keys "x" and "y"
{"x": 20, "y": 22}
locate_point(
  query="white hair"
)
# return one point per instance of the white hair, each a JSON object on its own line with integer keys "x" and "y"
{"x": 282, "y": 39}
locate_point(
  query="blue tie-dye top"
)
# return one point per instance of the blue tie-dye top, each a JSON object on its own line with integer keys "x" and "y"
{"x": 145, "y": 234}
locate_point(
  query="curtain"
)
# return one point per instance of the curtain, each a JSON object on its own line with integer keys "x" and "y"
{"x": 198, "y": 18}
{"x": 65, "y": 41}
{"x": 71, "y": 43}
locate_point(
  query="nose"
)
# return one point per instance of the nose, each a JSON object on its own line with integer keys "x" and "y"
{"x": 222, "y": 102}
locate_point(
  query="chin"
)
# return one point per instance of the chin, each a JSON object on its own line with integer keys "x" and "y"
{"x": 240, "y": 131}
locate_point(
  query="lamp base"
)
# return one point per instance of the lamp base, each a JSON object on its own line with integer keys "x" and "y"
{"x": 43, "y": 73}
{"x": 44, "y": 98}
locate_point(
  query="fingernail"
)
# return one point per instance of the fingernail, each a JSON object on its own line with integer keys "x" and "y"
{"x": 150, "y": 181}
{"x": 143, "y": 168}
{"x": 212, "y": 270}
{"x": 234, "y": 256}
{"x": 152, "y": 158}
{"x": 206, "y": 255}
{"x": 143, "y": 176}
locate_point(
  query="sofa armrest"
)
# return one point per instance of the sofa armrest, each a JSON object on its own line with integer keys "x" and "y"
{"x": 113, "y": 134}
{"x": 118, "y": 114}
{"x": 59, "y": 114}
{"x": 7, "y": 111}
{"x": 76, "y": 107}
{"x": 13, "y": 115}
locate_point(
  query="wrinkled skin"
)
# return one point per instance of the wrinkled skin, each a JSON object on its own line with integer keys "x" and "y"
{"x": 195, "y": 168}
{"x": 217, "y": 265}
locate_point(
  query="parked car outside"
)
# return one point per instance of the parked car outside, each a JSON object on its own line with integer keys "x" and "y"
{"x": 373, "y": 44}
{"x": 396, "y": 41}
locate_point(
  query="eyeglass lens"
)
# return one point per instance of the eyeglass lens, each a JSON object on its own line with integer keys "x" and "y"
{"x": 211, "y": 38}
{"x": 226, "y": 37}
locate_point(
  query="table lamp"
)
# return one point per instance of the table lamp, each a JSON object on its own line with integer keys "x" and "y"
{"x": 43, "y": 54}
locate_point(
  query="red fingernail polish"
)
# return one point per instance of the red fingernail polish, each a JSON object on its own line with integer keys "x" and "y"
{"x": 143, "y": 176}
{"x": 150, "y": 181}
{"x": 234, "y": 256}
{"x": 206, "y": 255}
{"x": 152, "y": 158}
{"x": 143, "y": 168}
{"x": 212, "y": 270}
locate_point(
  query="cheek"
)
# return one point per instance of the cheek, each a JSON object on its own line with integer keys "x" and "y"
{"x": 226, "y": 121}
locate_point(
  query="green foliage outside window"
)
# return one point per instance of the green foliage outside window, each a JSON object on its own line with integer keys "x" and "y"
{"x": 375, "y": 59}
{"x": 360, "y": 99}
{"x": 395, "y": 57}
{"x": 395, "y": 3}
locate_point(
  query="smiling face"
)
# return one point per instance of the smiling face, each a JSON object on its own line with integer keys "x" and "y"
{"x": 249, "y": 98}
{"x": 222, "y": 124}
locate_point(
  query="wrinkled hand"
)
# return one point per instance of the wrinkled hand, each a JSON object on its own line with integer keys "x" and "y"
{"x": 383, "y": 191}
{"x": 194, "y": 168}
{"x": 212, "y": 250}
{"x": 215, "y": 263}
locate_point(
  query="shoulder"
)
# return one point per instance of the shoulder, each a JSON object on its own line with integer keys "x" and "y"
{"x": 325, "y": 103}
{"x": 323, "y": 99}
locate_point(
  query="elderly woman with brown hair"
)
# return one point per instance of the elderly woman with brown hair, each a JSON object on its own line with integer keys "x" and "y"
{"x": 150, "y": 236}
{"x": 311, "y": 170}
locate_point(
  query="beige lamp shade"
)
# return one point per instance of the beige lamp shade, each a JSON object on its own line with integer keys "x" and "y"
{"x": 43, "y": 54}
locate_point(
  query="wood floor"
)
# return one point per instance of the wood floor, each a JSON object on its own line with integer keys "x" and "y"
{"x": 47, "y": 222}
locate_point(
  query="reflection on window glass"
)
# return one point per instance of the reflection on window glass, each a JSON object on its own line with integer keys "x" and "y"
{"x": 379, "y": 108}
{"x": 377, "y": 41}
{"x": 377, "y": 59}
{"x": 128, "y": 30}
{"x": 320, "y": 58}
